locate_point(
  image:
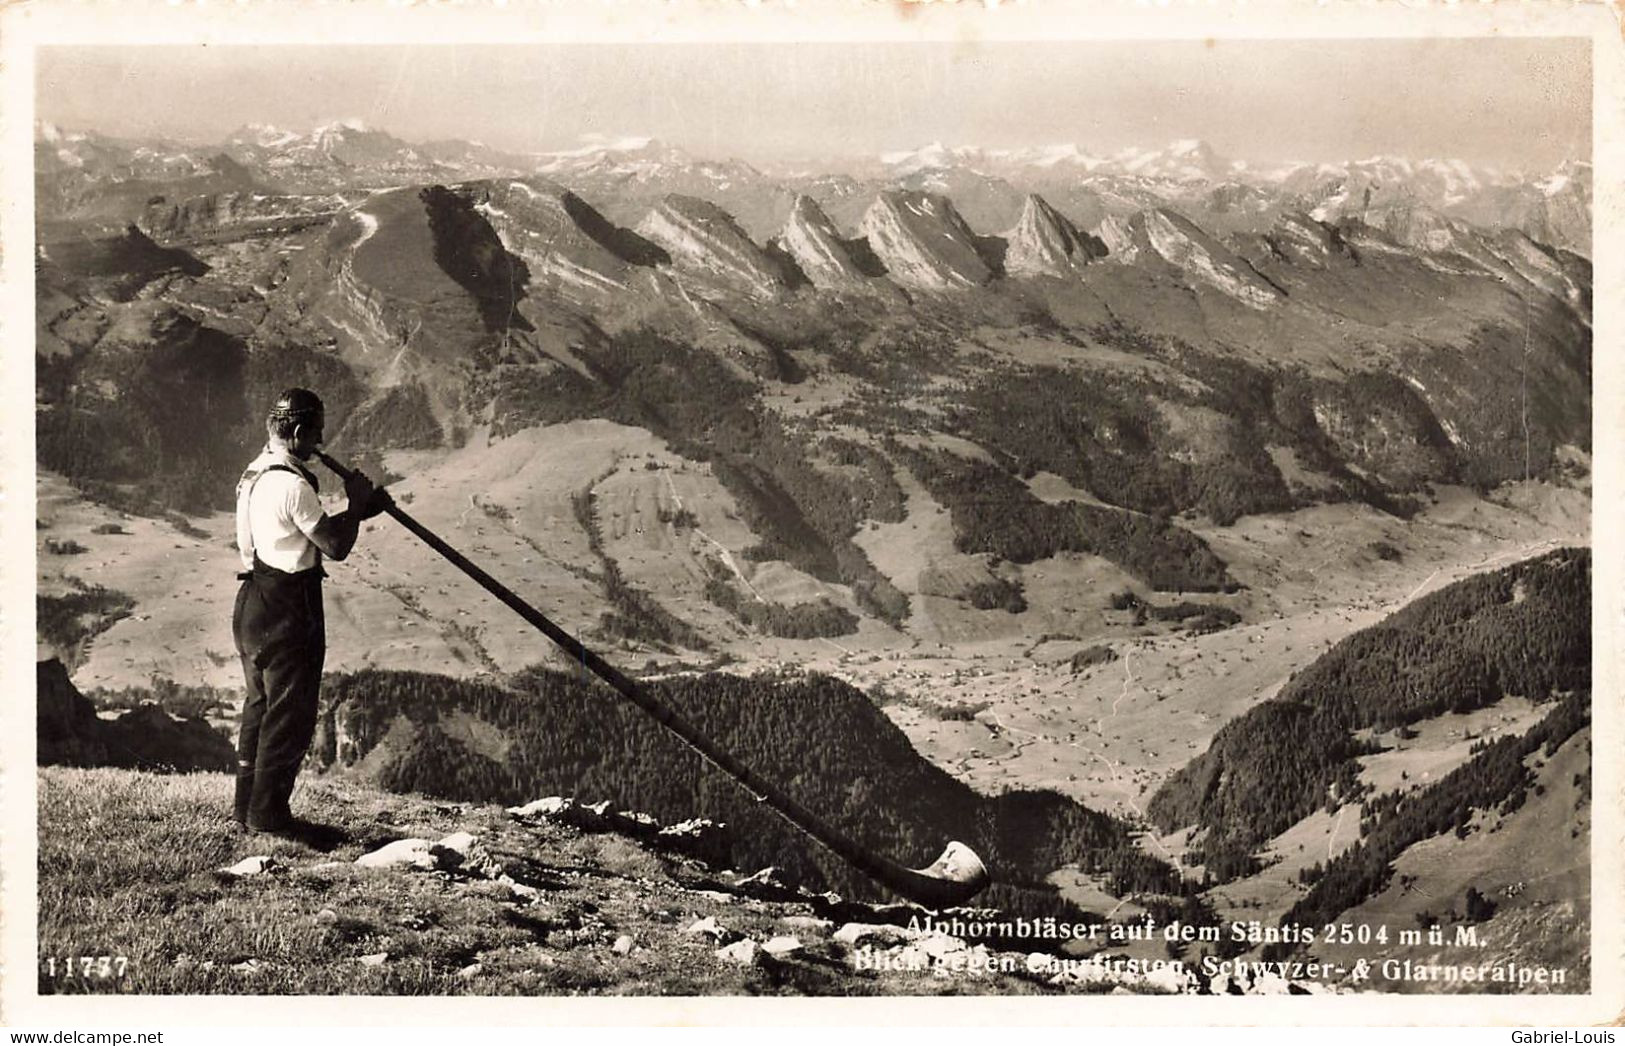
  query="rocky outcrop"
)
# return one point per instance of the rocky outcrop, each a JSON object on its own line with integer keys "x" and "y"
{"x": 1118, "y": 238}
{"x": 704, "y": 240}
{"x": 830, "y": 262}
{"x": 1044, "y": 242}
{"x": 70, "y": 733}
{"x": 1539, "y": 265}
{"x": 1418, "y": 226}
{"x": 1302, "y": 241}
{"x": 235, "y": 215}
{"x": 923, "y": 242}
{"x": 114, "y": 262}
{"x": 569, "y": 247}
{"x": 1181, "y": 243}
{"x": 697, "y": 837}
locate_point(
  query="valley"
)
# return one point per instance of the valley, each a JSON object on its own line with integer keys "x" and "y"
{"x": 1043, "y": 518}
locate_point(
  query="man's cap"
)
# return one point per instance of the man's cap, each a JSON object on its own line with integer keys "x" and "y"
{"x": 296, "y": 404}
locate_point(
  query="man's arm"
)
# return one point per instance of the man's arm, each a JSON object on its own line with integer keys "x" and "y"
{"x": 335, "y": 535}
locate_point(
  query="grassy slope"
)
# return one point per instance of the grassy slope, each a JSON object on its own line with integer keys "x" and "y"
{"x": 128, "y": 862}
{"x": 1539, "y": 852}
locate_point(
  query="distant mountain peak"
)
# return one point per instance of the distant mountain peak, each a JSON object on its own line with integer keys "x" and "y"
{"x": 816, "y": 246}
{"x": 1045, "y": 242}
{"x": 352, "y": 123}
{"x": 923, "y": 242}
{"x": 1186, "y": 246}
{"x": 704, "y": 239}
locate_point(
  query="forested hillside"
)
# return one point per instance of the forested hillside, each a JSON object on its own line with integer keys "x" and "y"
{"x": 1523, "y": 630}
{"x": 553, "y": 733}
{"x": 1496, "y": 778}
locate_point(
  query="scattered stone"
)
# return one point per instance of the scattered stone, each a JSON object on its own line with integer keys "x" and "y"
{"x": 458, "y": 842}
{"x": 697, "y": 837}
{"x": 768, "y": 885}
{"x": 471, "y": 970}
{"x": 781, "y": 946}
{"x": 328, "y": 866}
{"x": 1172, "y": 979}
{"x": 416, "y": 853}
{"x": 250, "y": 966}
{"x": 259, "y": 864}
{"x": 708, "y": 926}
{"x": 632, "y": 822}
{"x": 327, "y": 917}
{"x": 810, "y": 923}
{"x": 622, "y": 945}
{"x": 854, "y": 935}
{"x": 742, "y": 952}
{"x": 464, "y": 852}
{"x": 552, "y": 806}
{"x": 375, "y": 959}
{"x": 940, "y": 945}
{"x": 521, "y": 891}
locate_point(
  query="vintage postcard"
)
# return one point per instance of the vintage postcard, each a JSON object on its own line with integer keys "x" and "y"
{"x": 704, "y": 512}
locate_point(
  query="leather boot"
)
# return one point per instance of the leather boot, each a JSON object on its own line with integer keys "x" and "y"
{"x": 268, "y": 808}
{"x": 245, "y": 792}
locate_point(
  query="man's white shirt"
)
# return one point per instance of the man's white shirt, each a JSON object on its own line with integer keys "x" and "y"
{"x": 276, "y": 513}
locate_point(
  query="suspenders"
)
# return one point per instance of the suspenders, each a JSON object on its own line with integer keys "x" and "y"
{"x": 250, "y": 478}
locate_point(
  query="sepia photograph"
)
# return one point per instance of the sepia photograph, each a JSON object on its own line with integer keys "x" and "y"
{"x": 903, "y": 512}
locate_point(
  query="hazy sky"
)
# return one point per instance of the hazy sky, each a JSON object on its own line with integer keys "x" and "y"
{"x": 1521, "y": 103}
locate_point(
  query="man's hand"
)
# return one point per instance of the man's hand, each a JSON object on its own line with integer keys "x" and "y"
{"x": 366, "y": 498}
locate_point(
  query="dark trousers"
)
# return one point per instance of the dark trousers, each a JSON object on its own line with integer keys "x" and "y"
{"x": 280, "y": 636}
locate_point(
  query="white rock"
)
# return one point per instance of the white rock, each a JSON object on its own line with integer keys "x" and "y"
{"x": 1271, "y": 983}
{"x": 458, "y": 842}
{"x": 855, "y": 934}
{"x": 470, "y": 970}
{"x": 327, "y": 917}
{"x": 622, "y": 945}
{"x": 548, "y": 807}
{"x": 256, "y": 865}
{"x": 939, "y": 945}
{"x": 783, "y": 945}
{"x": 417, "y": 853}
{"x": 808, "y": 922}
{"x": 375, "y": 959}
{"x": 708, "y": 926}
{"x": 522, "y": 891}
{"x": 251, "y": 966}
{"x": 1171, "y": 979}
{"x": 741, "y": 952}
